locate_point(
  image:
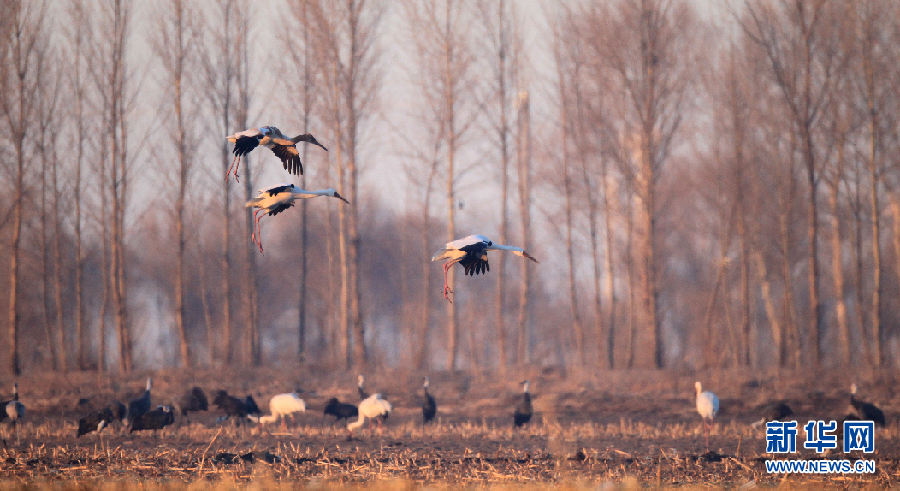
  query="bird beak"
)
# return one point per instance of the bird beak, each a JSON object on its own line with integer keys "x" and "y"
{"x": 338, "y": 196}
{"x": 530, "y": 257}
{"x": 323, "y": 146}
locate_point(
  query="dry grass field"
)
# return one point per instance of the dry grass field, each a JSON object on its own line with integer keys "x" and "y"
{"x": 609, "y": 430}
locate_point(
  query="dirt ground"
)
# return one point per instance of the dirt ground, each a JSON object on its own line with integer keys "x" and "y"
{"x": 592, "y": 428}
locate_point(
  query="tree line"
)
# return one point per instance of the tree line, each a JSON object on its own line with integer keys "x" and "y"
{"x": 701, "y": 191}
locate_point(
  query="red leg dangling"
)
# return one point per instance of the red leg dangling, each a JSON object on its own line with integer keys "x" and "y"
{"x": 447, "y": 289}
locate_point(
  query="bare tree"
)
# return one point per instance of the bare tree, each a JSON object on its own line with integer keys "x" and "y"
{"x": 77, "y": 37}
{"x": 219, "y": 55}
{"x": 345, "y": 37}
{"x": 500, "y": 23}
{"x": 109, "y": 72}
{"x": 523, "y": 146}
{"x": 48, "y": 128}
{"x": 644, "y": 45}
{"x": 21, "y": 48}
{"x": 568, "y": 62}
{"x": 439, "y": 31}
{"x": 174, "y": 43}
{"x": 304, "y": 82}
{"x": 873, "y": 26}
{"x": 802, "y": 61}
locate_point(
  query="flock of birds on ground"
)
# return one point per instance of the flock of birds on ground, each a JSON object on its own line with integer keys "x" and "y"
{"x": 138, "y": 415}
{"x": 470, "y": 252}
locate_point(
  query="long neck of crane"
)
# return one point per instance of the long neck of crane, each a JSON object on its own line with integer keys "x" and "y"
{"x": 358, "y": 423}
{"x": 312, "y": 194}
{"x": 501, "y": 247}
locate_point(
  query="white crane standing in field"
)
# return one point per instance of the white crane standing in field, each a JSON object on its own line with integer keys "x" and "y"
{"x": 707, "y": 406}
{"x": 276, "y": 199}
{"x": 284, "y": 405}
{"x": 269, "y": 136}
{"x": 372, "y": 407}
{"x": 471, "y": 253}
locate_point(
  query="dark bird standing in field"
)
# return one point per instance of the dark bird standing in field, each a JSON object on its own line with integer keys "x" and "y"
{"x": 192, "y": 401}
{"x": 775, "y": 411}
{"x": 429, "y": 407}
{"x": 5, "y": 406}
{"x": 340, "y": 410}
{"x": 524, "y": 410}
{"x": 157, "y": 419}
{"x": 94, "y": 421}
{"x": 15, "y": 410}
{"x": 269, "y": 136}
{"x": 241, "y": 408}
{"x": 471, "y": 253}
{"x": 140, "y": 405}
{"x": 360, "y": 380}
{"x": 252, "y": 407}
{"x": 866, "y": 410}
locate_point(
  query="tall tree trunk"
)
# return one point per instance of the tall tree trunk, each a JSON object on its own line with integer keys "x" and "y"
{"x": 304, "y": 216}
{"x": 13, "y": 322}
{"x": 45, "y": 263}
{"x": 812, "y": 237}
{"x": 769, "y": 304}
{"x": 450, "y": 105}
{"x": 57, "y": 261}
{"x": 609, "y": 199}
{"x": 225, "y": 258}
{"x": 524, "y": 148}
{"x": 873, "y": 124}
{"x": 575, "y": 311}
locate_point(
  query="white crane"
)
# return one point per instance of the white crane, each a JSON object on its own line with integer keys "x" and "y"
{"x": 276, "y": 199}
{"x": 284, "y": 405}
{"x": 471, "y": 253}
{"x": 371, "y": 407}
{"x": 707, "y": 406}
{"x": 269, "y": 136}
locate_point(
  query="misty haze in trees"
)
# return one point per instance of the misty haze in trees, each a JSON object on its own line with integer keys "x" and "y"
{"x": 701, "y": 190}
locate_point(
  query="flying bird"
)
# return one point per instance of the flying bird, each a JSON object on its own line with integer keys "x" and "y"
{"x": 274, "y": 200}
{"x": 707, "y": 406}
{"x": 269, "y": 136}
{"x": 471, "y": 253}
